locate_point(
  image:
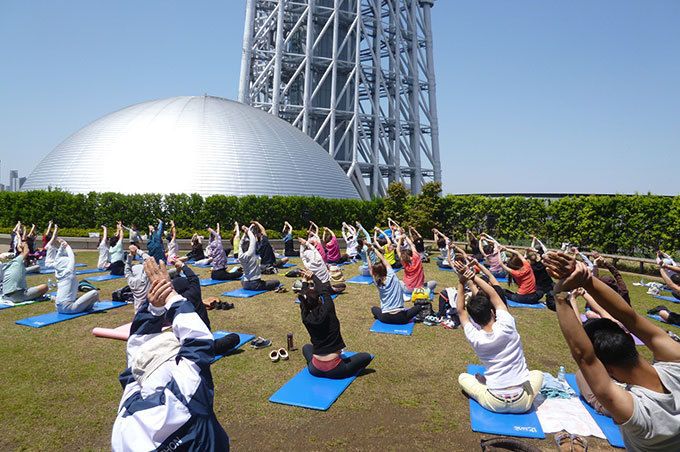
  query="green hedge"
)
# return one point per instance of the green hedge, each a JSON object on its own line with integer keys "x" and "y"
{"x": 631, "y": 225}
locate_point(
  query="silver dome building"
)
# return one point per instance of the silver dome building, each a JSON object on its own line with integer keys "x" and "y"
{"x": 195, "y": 144}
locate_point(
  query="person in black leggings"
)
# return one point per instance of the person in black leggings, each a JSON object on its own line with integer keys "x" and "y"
{"x": 323, "y": 355}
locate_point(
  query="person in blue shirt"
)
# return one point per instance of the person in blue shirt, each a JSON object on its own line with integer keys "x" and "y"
{"x": 155, "y": 243}
{"x": 391, "y": 308}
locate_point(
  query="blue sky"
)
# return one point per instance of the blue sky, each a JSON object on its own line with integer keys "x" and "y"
{"x": 533, "y": 96}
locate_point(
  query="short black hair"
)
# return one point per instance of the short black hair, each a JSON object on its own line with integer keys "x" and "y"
{"x": 480, "y": 309}
{"x": 675, "y": 277}
{"x": 382, "y": 241}
{"x": 613, "y": 346}
{"x": 113, "y": 240}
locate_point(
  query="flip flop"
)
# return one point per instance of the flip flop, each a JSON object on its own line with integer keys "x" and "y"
{"x": 578, "y": 443}
{"x": 564, "y": 442}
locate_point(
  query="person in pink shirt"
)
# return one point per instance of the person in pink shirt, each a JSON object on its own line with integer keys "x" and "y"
{"x": 333, "y": 248}
{"x": 414, "y": 275}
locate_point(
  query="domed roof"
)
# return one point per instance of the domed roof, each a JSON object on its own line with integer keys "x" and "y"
{"x": 195, "y": 144}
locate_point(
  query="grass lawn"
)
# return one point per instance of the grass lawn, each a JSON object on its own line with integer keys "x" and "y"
{"x": 60, "y": 387}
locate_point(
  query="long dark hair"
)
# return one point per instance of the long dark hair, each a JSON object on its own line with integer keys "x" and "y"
{"x": 379, "y": 273}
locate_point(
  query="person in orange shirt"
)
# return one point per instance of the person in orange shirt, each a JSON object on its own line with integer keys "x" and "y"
{"x": 520, "y": 270}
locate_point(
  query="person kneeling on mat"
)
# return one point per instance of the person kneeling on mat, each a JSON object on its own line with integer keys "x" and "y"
{"x": 391, "y": 308}
{"x": 318, "y": 315}
{"x": 67, "y": 299}
{"x": 507, "y": 385}
{"x": 168, "y": 390}
{"x": 13, "y": 275}
{"x": 252, "y": 275}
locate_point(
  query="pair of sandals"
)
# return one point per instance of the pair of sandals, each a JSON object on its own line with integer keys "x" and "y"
{"x": 280, "y": 354}
{"x": 567, "y": 442}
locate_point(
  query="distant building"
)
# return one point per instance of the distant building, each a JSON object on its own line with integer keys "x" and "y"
{"x": 14, "y": 180}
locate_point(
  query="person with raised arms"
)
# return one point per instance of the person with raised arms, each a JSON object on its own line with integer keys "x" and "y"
{"x": 264, "y": 249}
{"x": 219, "y": 258}
{"x": 13, "y": 275}
{"x": 252, "y": 274}
{"x": 391, "y": 308}
{"x": 492, "y": 254}
{"x": 173, "y": 248}
{"x": 671, "y": 276}
{"x": 507, "y": 386}
{"x": 389, "y": 247}
{"x": 288, "y": 242}
{"x": 349, "y": 233}
{"x": 67, "y": 300}
{"x": 324, "y": 354}
{"x": 168, "y": 391}
{"x": 418, "y": 241}
{"x": 520, "y": 270}
{"x": 312, "y": 261}
{"x": 116, "y": 253}
{"x": 103, "y": 260}
{"x": 414, "y": 275}
{"x": 333, "y": 248}
{"x": 647, "y": 409}
{"x": 155, "y": 243}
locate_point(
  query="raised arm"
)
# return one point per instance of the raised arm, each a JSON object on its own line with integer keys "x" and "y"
{"x": 49, "y": 227}
{"x": 173, "y": 230}
{"x": 218, "y": 231}
{"x": 541, "y": 247}
{"x": 379, "y": 255}
{"x": 667, "y": 279}
{"x": 574, "y": 274}
{"x": 492, "y": 279}
{"x": 460, "y": 297}
{"x": 263, "y": 231}
{"x": 614, "y": 398}
{"x": 56, "y": 234}
{"x": 365, "y": 232}
{"x": 399, "y": 243}
{"x": 496, "y": 300}
{"x": 252, "y": 243}
{"x": 313, "y": 227}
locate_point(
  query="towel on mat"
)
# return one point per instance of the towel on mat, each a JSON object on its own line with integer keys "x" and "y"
{"x": 567, "y": 414}
{"x": 554, "y": 389}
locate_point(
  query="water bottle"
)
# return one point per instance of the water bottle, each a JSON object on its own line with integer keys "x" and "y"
{"x": 50, "y": 284}
{"x": 560, "y": 374}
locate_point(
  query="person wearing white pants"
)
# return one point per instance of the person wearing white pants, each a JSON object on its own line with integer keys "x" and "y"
{"x": 67, "y": 299}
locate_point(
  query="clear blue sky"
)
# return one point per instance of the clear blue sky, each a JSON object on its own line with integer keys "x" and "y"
{"x": 533, "y": 96}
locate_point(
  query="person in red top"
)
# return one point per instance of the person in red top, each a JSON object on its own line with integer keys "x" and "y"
{"x": 521, "y": 272}
{"x": 414, "y": 276}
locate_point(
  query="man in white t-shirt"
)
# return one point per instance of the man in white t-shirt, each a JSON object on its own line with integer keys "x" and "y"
{"x": 507, "y": 385}
{"x": 647, "y": 410}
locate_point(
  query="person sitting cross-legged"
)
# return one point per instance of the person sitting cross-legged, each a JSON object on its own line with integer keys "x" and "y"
{"x": 521, "y": 271}
{"x": 647, "y": 410}
{"x": 324, "y": 354}
{"x": 13, "y": 276}
{"x": 391, "y": 308}
{"x": 507, "y": 385}
{"x": 67, "y": 299}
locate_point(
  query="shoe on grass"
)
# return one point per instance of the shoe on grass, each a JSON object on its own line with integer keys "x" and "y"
{"x": 260, "y": 342}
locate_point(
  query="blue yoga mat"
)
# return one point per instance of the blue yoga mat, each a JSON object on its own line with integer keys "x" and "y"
{"x": 446, "y": 269}
{"x": 524, "y": 425}
{"x": 104, "y": 277}
{"x": 243, "y": 339}
{"x": 89, "y": 271}
{"x": 308, "y": 391}
{"x": 514, "y": 304}
{"x": 211, "y": 282}
{"x": 657, "y": 317}
{"x": 667, "y": 298}
{"x": 503, "y": 280}
{"x": 361, "y": 280}
{"x": 388, "y": 328}
{"x": 54, "y": 317}
{"x": 298, "y": 301}
{"x": 5, "y": 306}
{"x": 243, "y": 293}
{"x": 606, "y": 424}
{"x": 48, "y": 270}
{"x": 288, "y": 265}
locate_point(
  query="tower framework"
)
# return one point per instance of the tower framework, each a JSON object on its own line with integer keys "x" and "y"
{"x": 355, "y": 75}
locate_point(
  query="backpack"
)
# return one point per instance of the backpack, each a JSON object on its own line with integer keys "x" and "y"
{"x": 268, "y": 270}
{"x": 122, "y": 294}
{"x": 85, "y": 286}
{"x": 425, "y": 309}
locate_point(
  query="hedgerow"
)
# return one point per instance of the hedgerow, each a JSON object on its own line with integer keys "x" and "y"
{"x": 631, "y": 225}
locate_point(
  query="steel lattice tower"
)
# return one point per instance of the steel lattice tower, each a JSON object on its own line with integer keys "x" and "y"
{"x": 355, "y": 75}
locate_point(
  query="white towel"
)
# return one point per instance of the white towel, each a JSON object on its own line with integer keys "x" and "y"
{"x": 567, "y": 414}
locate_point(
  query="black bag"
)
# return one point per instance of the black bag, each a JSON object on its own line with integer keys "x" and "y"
{"x": 268, "y": 270}
{"x": 510, "y": 444}
{"x": 425, "y": 310}
{"x": 86, "y": 286}
{"x": 122, "y": 294}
